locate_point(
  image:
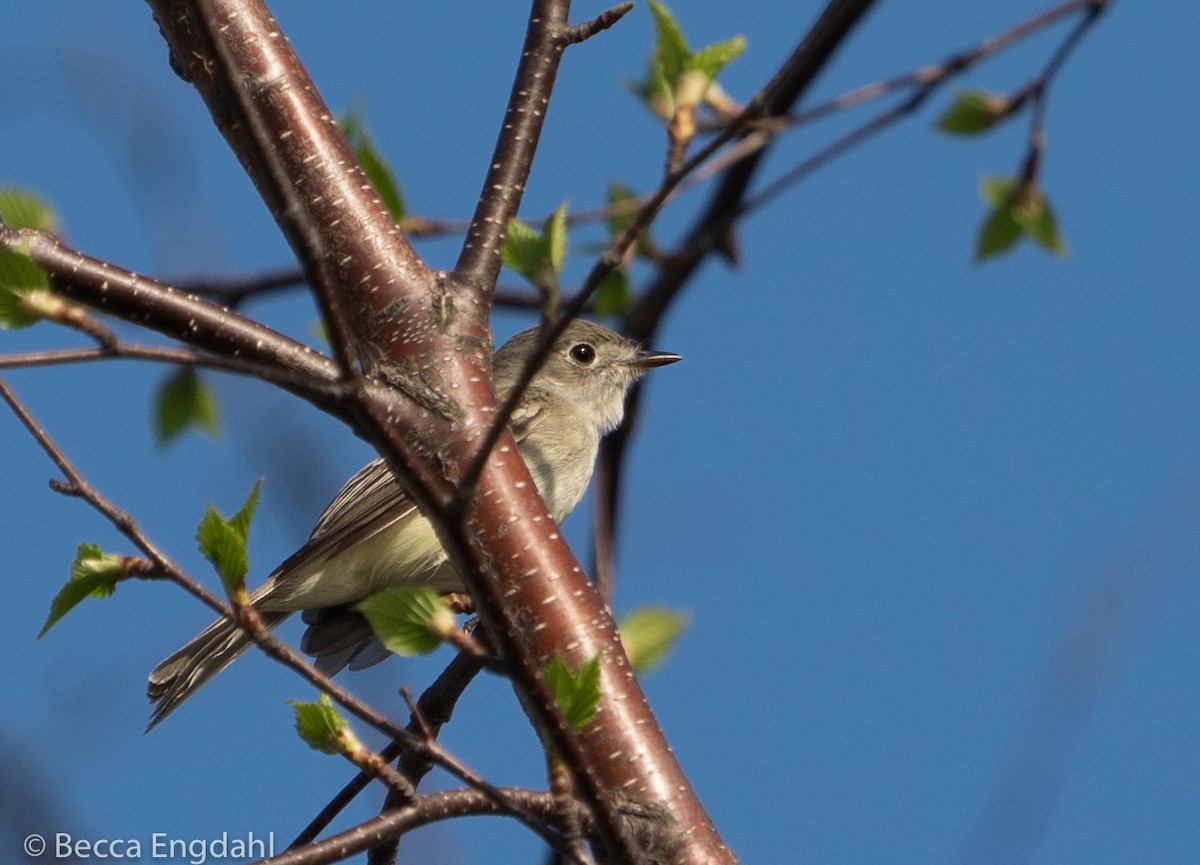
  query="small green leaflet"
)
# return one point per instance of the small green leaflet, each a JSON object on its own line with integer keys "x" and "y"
{"x": 654, "y": 90}
{"x": 21, "y": 209}
{"x": 373, "y": 164}
{"x": 713, "y": 58}
{"x": 408, "y": 620}
{"x": 537, "y": 256}
{"x": 223, "y": 541}
{"x": 555, "y": 238}
{"x": 973, "y": 112}
{"x": 649, "y": 634}
{"x": 20, "y": 277}
{"x": 670, "y": 45}
{"x": 577, "y": 693}
{"x": 184, "y": 400}
{"x": 20, "y": 307}
{"x": 321, "y": 726}
{"x": 522, "y": 251}
{"x": 94, "y": 572}
{"x": 1017, "y": 210}
{"x": 1000, "y": 233}
{"x": 673, "y": 58}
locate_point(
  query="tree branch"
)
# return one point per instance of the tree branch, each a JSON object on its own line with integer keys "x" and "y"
{"x": 151, "y": 304}
{"x": 269, "y": 110}
{"x": 436, "y": 705}
{"x": 729, "y": 203}
{"x": 546, "y": 37}
{"x": 427, "y": 809}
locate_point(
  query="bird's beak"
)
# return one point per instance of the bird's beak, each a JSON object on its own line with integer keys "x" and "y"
{"x": 650, "y": 359}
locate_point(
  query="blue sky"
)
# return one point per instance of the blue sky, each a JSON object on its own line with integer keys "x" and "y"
{"x": 934, "y": 522}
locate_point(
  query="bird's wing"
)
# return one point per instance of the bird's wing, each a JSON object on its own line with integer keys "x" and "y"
{"x": 368, "y": 503}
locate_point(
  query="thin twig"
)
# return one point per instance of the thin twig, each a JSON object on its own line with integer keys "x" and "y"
{"x": 582, "y": 32}
{"x": 232, "y": 292}
{"x": 427, "y": 809}
{"x": 953, "y": 64}
{"x": 608, "y": 261}
{"x": 728, "y": 204}
{"x": 437, "y": 704}
{"x": 932, "y": 78}
{"x": 291, "y": 379}
{"x": 253, "y": 624}
{"x": 77, "y": 485}
{"x": 1040, "y": 87}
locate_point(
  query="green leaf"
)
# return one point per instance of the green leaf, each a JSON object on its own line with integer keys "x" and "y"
{"x": 577, "y": 693}
{"x": 522, "y": 250}
{"x": 555, "y": 239}
{"x": 373, "y": 164}
{"x": 321, "y": 726}
{"x": 245, "y": 515}
{"x": 1036, "y": 217}
{"x": 654, "y": 90}
{"x": 94, "y": 572}
{"x": 19, "y": 305}
{"x": 997, "y": 191}
{"x": 613, "y": 295}
{"x": 649, "y": 634}
{"x": 999, "y": 233}
{"x": 185, "y": 400}
{"x": 1000, "y": 230}
{"x": 223, "y": 541}
{"x": 713, "y": 58}
{"x": 537, "y": 256}
{"x": 660, "y": 93}
{"x": 19, "y": 276}
{"x": 683, "y": 74}
{"x": 1018, "y": 208}
{"x": 409, "y": 620}
{"x": 973, "y": 112}
{"x": 671, "y": 49}
{"x": 21, "y": 209}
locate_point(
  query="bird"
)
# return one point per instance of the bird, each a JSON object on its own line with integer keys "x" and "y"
{"x": 372, "y": 536}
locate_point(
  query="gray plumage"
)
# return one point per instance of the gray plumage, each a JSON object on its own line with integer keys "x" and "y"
{"x": 371, "y": 536}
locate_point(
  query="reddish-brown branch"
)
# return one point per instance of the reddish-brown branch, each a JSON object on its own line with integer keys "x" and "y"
{"x": 546, "y": 37}
{"x": 333, "y": 393}
{"x": 143, "y": 301}
{"x": 267, "y": 107}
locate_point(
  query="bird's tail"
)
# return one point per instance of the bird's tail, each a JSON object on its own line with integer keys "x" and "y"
{"x": 212, "y": 650}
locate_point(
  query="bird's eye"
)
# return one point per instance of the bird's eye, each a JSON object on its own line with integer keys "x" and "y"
{"x": 583, "y": 353}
